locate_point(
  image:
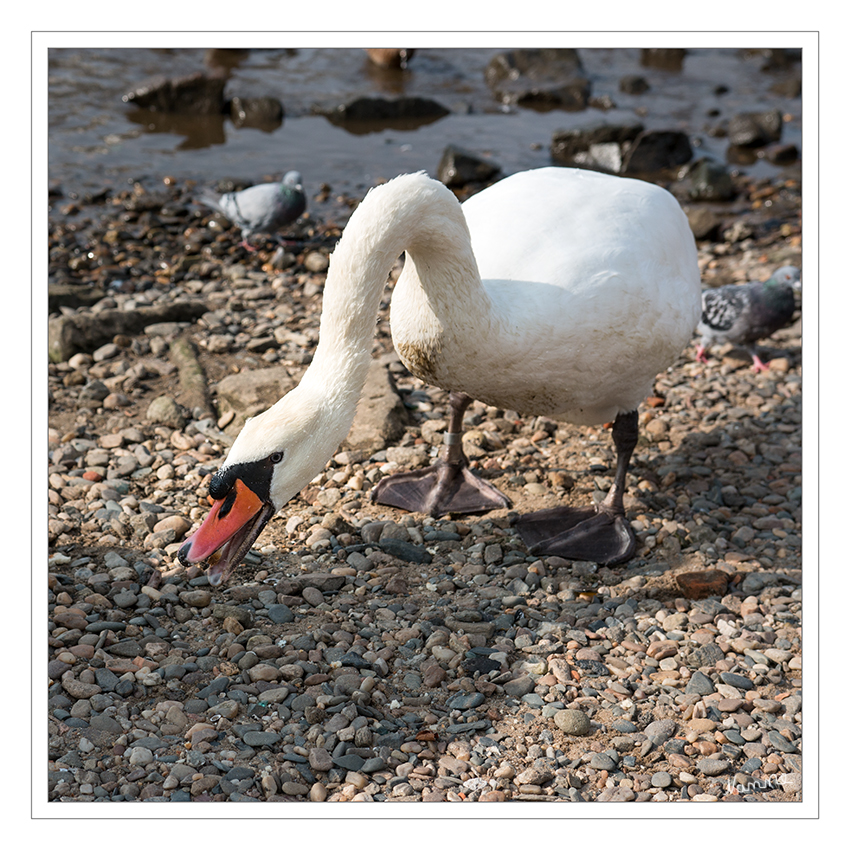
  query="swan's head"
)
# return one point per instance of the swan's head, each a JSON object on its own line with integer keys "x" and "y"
{"x": 274, "y": 457}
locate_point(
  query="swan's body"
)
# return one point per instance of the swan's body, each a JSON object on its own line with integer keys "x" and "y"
{"x": 582, "y": 274}
{"x": 590, "y": 288}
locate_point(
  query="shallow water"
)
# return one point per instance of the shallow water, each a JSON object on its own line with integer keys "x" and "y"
{"x": 97, "y": 140}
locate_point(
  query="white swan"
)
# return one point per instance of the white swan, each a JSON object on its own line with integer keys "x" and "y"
{"x": 590, "y": 288}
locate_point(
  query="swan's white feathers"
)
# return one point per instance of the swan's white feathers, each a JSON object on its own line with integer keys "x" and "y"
{"x": 306, "y": 426}
{"x": 590, "y": 288}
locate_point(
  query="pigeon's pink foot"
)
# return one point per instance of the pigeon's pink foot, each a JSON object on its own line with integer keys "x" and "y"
{"x": 702, "y": 357}
{"x": 759, "y": 365}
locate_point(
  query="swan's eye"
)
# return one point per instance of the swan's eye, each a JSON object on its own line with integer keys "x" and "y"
{"x": 276, "y": 457}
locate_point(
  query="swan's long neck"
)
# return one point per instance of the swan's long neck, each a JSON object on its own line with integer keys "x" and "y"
{"x": 409, "y": 214}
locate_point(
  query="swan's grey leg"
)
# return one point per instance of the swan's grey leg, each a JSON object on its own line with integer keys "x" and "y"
{"x": 625, "y": 436}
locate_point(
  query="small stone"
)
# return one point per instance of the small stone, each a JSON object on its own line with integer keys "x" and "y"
{"x": 313, "y": 596}
{"x": 572, "y": 721}
{"x": 320, "y": 759}
{"x": 660, "y": 730}
{"x": 196, "y": 598}
{"x": 712, "y": 767}
{"x": 736, "y": 680}
{"x": 702, "y": 584}
{"x": 661, "y": 779}
{"x": 165, "y": 410}
{"x": 602, "y": 761}
{"x": 699, "y": 684}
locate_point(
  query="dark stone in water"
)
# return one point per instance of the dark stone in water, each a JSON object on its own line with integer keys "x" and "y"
{"x": 260, "y": 113}
{"x": 654, "y": 150}
{"x": 755, "y": 129}
{"x": 543, "y": 78}
{"x": 633, "y": 84}
{"x": 567, "y": 143}
{"x": 377, "y": 113}
{"x": 459, "y": 166}
{"x": 710, "y": 181}
{"x": 665, "y": 58}
{"x": 705, "y": 224}
{"x": 782, "y": 154}
{"x": 195, "y": 94}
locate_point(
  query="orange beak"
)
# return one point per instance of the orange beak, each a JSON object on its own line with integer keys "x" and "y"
{"x": 232, "y": 525}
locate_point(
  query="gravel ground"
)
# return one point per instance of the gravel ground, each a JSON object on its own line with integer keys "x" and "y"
{"x": 365, "y": 654}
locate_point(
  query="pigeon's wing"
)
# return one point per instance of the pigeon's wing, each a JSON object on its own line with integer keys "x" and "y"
{"x": 723, "y": 308}
{"x": 252, "y": 210}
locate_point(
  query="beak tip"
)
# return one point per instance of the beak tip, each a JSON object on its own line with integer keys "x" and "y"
{"x": 183, "y": 553}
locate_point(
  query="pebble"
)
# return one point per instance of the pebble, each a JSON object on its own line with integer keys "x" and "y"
{"x": 572, "y": 722}
{"x": 712, "y": 767}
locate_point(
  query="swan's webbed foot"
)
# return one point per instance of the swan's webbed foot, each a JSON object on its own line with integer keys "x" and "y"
{"x": 440, "y": 489}
{"x": 446, "y": 487}
{"x": 596, "y": 534}
{"x": 601, "y": 533}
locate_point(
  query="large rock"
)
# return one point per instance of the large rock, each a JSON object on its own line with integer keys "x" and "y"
{"x": 195, "y": 94}
{"x": 654, "y": 150}
{"x": 250, "y": 393}
{"x": 539, "y": 77}
{"x": 368, "y": 114}
{"x": 71, "y": 295}
{"x": 381, "y": 417}
{"x": 193, "y": 383}
{"x": 67, "y": 335}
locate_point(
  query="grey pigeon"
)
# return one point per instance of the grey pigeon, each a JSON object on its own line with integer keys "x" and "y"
{"x": 745, "y": 313}
{"x": 263, "y": 208}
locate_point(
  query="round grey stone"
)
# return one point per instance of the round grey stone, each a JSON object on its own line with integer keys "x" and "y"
{"x": 572, "y": 722}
